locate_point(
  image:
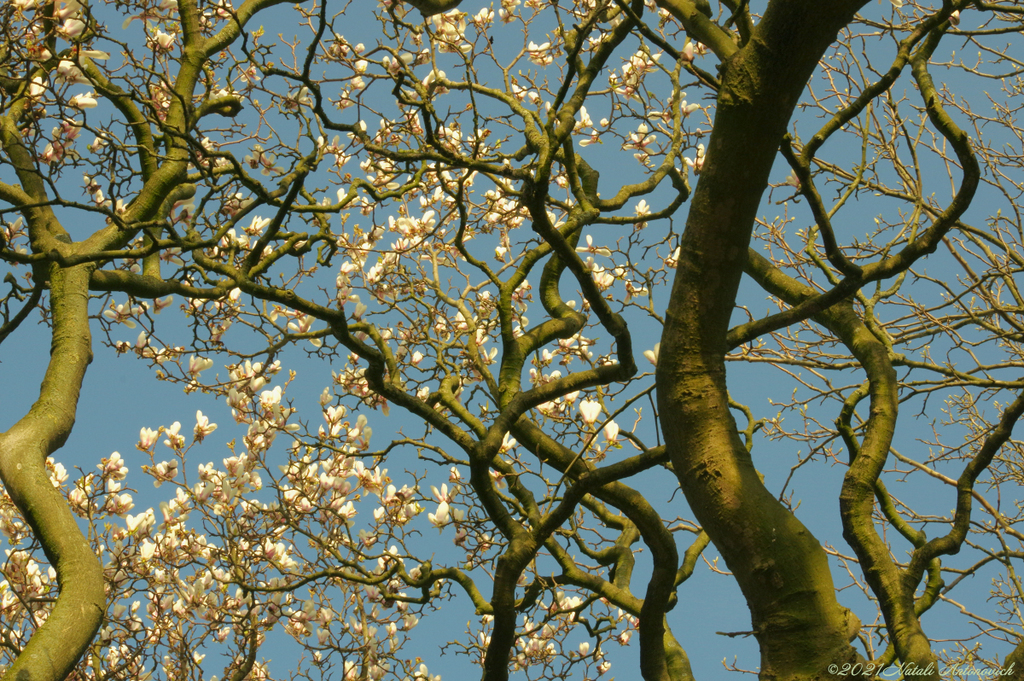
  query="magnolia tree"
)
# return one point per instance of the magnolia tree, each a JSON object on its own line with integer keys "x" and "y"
{"x": 479, "y": 221}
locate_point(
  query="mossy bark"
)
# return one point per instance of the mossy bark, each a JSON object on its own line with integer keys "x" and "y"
{"x": 781, "y": 568}
{"x": 55, "y": 648}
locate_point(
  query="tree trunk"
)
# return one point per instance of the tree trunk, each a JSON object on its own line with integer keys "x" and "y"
{"x": 779, "y": 565}
{"x": 55, "y": 648}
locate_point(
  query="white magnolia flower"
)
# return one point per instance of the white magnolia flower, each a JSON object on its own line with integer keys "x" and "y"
{"x": 84, "y": 101}
{"x": 441, "y": 517}
{"x": 203, "y": 426}
{"x": 590, "y": 410}
{"x": 652, "y": 355}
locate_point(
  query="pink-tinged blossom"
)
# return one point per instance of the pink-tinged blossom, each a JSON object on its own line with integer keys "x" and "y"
{"x": 611, "y": 431}
{"x": 141, "y": 524}
{"x": 673, "y": 259}
{"x": 121, "y": 314}
{"x": 440, "y": 518}
{"x": 86, "y": 101}
{"x": 507, "y": 443}
{"x": 432, "y": 82}
{"x": 633, "y": 72}
{"x": 697, "y": 162}
{"x": 257, "y": 225}
{"x": 263, "y": 161}
{"x": 334, "y": 416}
{"x": 160, "y": 41}
{"x": 54, "y": 153}
{"x": 498, "y": 478}
{"x": 591, "y": 248}
{"x": 72, "y": 28}
{"x": 119, "y": 504}
{"x": 652, "y": 355}
{"x": 147, "y": 438}
{"x": 302, "y": 504}
{"x": 460, "y": 536}
{"x": 160, "y": 303}
{"x": 64, "y": 135}
{"x": 642, "y": 210}
{"x": 585, "y": 122}
{"x": 602, "y": 277}
{"x": 58, "y": 474}
{"x": 37, "y": 87}
{"x": 272, "y": 551}
{"x": 67, "y": 130}
{"x": 507, "y": 12}
{"x": 165, "y": 470}
{"x": 174, "y": 439}
{"x": 113, "y": 467}
{"x": 250, "y": 75}
{"x": 38, "y": 52}
{"x": 640, "y": 140}
{"x": 270, "y": 400}
{"x": 69, "y": 73}
{"x": 483, "y": 18}
{"x": 147, "y": 550}
{"x": 590, "y": 410}
{"x": 540, "y": 54}
{"x": 423, "y": 673}
{"x": 450, "y": 31}
{"x": 203, "y": 426}
{"x": 367, "y": 538}
{"x": 169, "y": 515}
{"x": 296, "y": 100}
{"x": 442, "y": 495}
{"x": 197, "y": 365}
{"x": 345, "y": 510}
{"x": 79, "y": 500}
{"x": 235, "y": 465}
{"x": 67, "y": 9}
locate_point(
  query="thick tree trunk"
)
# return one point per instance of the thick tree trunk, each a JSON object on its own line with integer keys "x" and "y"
{"x": 781, "y": 568}
{"x": 55, "y": 648}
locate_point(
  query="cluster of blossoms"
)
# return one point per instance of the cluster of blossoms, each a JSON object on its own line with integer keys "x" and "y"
{"x": 214, "y": 559}
{"x": 544, "y": 646}
{"x": 634, "y": 71}
{"x": 585, "y": 123}
{"x": 450, "y": 32}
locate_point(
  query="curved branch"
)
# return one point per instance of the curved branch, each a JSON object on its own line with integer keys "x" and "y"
{"x": 55, "y": 648}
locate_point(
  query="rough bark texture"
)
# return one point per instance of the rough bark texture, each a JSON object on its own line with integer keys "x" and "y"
{"x": 780, "y": 566}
